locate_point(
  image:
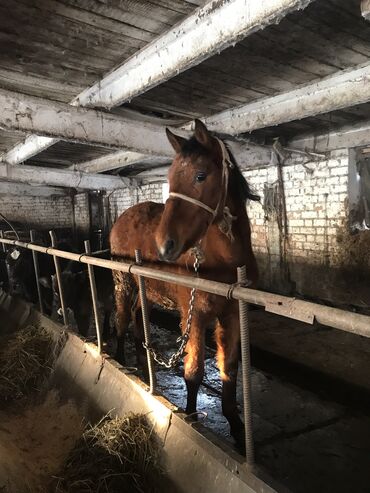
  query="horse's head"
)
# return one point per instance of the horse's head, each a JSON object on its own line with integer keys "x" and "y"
{"x": 197, "y": 188}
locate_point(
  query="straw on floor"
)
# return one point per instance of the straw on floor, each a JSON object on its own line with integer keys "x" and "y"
{"x": 117, "y": 455}
{"x": 26, "y": 359}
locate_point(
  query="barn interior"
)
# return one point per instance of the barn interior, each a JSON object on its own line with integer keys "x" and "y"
{"x": 87, "y": 88}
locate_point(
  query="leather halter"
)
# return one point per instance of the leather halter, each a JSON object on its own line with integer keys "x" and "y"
{"x": 226, "y": 165}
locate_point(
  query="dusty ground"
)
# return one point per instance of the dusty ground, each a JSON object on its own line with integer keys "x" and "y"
{"x": 34, "y": 443}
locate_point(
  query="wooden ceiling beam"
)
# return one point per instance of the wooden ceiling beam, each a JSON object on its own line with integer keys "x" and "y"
{"x": 198, "y": 37}
{"x": 88, "y": 126}
{"x": 24, "y": 189}
{"x": 347, "y": 136}
{"x": 116, "y": 160}
{"x": 52, "y": 119}
{"x": 36, "y": 175}
{"x": 365, "y": 9}
{"x": 340, "y": 90}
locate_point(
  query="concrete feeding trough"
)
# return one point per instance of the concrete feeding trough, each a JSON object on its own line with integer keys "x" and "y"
{"x": 83, "y": 387}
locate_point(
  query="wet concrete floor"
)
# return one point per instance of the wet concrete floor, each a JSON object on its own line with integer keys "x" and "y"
{"x": 308, "y": 442}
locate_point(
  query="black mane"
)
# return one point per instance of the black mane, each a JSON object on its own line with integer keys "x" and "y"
{"x": 243, "y": 188}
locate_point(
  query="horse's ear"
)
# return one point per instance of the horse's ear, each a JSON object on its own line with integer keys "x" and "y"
{"x": 175, "y": 140}
{"x": 203, "y": 136}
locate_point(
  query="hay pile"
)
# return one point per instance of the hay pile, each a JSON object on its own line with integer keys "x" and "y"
{"x": 26, "y": 359}
{"x": 116, "y": 455}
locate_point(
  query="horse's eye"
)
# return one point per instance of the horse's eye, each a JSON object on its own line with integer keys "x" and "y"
{"x": 200, "y": 176}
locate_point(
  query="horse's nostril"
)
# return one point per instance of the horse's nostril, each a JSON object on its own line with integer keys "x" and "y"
{"x": 169, "y": 246}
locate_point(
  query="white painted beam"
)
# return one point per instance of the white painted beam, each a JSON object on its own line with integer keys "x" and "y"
{"x": 59, "y": 120}
{"x": 341, "y": 90}
{"x": 209, "y": 30}
{"x": 89, "y": 126}
{"x": 32, "y": 145}
{"x": 23, "y": 189}
{"x": 118, "y": 160}
{"x": 357, "y": 135}
{"x": 365, "y": 9}
{"x": 199, "y": 36}
{"x": 61, "y": 178}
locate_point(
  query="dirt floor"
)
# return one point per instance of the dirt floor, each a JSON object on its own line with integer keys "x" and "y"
{"x": 34, "y": 443}
{"x": 309, "y": 439}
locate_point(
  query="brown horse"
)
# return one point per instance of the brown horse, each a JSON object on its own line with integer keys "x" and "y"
{"x": 206, "y": 208}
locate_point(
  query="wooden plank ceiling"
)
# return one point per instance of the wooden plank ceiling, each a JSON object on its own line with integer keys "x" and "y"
{"x": 56, "y": 48}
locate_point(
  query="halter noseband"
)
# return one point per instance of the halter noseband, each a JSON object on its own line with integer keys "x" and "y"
{"x": 195, "y": 202}
{"x": 226, "y": 223}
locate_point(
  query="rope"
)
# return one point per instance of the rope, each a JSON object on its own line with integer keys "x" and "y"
{"x": 226, "y": 223}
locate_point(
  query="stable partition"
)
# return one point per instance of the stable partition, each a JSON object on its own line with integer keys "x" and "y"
{"x": 282, "y": 305}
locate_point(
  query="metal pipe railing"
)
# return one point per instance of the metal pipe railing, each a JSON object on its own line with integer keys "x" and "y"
{"x": 146, "y": 324}
{"x": 246, "y": 371}
{"x": 283, "y": 305}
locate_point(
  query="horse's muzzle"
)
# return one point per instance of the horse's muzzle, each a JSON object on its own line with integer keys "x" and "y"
{"x": 169, "y": 251}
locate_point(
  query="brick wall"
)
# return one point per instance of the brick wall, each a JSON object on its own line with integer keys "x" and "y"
{"x": 82, "y": 214}
{"x": 319, "y": 257}
{"x": 120, "y": 200}
{"x": 38, "y": 212}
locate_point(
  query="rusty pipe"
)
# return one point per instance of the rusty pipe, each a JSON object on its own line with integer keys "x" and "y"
{"x": 288, "y": 307}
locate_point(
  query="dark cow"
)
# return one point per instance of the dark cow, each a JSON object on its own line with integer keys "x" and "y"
{"x": 77, "y": 296}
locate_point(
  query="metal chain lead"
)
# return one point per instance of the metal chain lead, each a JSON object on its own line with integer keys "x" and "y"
{"x": 183, "y": 339}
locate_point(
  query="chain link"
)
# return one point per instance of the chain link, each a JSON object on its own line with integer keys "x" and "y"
{"x": 183, "y": 339}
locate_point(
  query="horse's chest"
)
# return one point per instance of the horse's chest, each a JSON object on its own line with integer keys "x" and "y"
{"x": 174, "y": 297}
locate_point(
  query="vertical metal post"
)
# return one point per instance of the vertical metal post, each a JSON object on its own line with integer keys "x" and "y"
{"x": 146, "y": 324}
{"x": 37, "y": 269}
{"x": 3, "y": 246}
{"x": 246, "y": 371}
{"x": 59, "y": 278}
{"x": 94, "y": 296}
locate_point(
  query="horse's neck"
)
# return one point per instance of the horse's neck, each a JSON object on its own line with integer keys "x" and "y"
{"x": 234, "y": 246}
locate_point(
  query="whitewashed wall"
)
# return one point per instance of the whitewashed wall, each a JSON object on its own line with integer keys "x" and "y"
{"x": 321, "y": 260}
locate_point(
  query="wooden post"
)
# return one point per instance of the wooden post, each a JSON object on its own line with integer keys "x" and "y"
{"x": 3, "y": 244}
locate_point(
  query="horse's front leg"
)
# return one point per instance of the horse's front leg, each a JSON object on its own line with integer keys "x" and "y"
{"x": 228, "y": 339}
{"x": 194, "y": 360}
{"x": 123, "y": 298}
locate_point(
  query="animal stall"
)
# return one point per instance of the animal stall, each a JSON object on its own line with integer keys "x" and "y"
{"x": 184, "y": 246}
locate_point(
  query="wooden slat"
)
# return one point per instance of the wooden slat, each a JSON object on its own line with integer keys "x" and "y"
{"x": 146, "y": 21}
{"x": 338, "y": 91}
